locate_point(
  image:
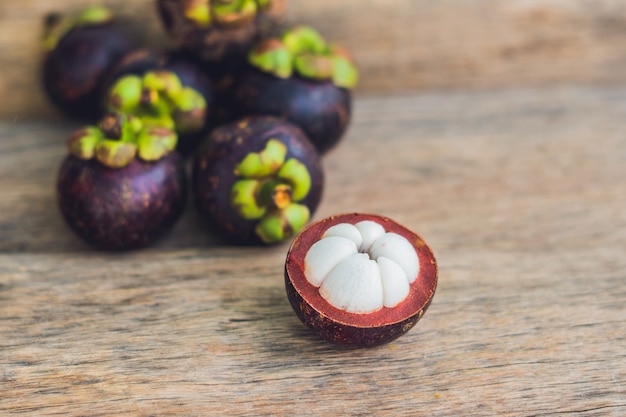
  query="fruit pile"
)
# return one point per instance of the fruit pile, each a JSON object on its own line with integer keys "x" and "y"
{"x": 252, "y": 106}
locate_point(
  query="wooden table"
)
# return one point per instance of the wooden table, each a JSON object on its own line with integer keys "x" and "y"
{"x": 515, "y": 179}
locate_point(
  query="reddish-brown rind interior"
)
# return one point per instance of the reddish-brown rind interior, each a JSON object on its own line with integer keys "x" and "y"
{"x": 352, "y": 329}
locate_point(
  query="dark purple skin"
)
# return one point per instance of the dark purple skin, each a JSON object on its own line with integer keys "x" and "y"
{"x": 320, "y": 108}
{"x": 126, "y": 208}
{"x": 74, "y": 72}
{"x": 191, "y": 75}
{"x": 213, "y": 175}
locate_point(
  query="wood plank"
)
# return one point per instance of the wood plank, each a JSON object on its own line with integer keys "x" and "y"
{"x": 519, "y": 192}
{"x": 400, "y": 45}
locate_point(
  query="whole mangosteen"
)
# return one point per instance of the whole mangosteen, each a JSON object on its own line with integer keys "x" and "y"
{"x": 359, "y": 280}
{"x": 219, "y": 31}
{"x": 258, "y": 180}
{"x": 79, "y": 50}
{"x": 122, "y": 185}
{"x": 303, "y": 79}
{"x": 169, "y": 90}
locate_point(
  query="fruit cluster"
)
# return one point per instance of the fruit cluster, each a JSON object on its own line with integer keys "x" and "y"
{"x": 252, "y": 104}
{"x": 253, "y": 107}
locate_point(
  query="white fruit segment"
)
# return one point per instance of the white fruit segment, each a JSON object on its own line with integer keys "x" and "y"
{"x": 324, "y": 255}
{"x": 395, "y": 283}
{"x": 347, "y": 230}
{"x": 354, "y": 285}
{"x": 370, "y": 231}
{"x": 361, "y": 268}
{"x": 398, "y": 249}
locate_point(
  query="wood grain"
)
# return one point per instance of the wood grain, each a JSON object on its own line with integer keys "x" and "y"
{"x": 519, "y": 192}
{"x": 400, "y": 44}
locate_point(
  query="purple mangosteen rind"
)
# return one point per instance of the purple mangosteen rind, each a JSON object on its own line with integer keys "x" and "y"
{"x": 303, "y": 79}
{"x": 168, "y": 90}
{"x": 354, "y": 330}
{"x": 320, "y": 108}
{"x": 220, "y": 32}
{"x": 80, "y": 50}
{"x": 215, "y": 175}
{"x": 125, "y": 208}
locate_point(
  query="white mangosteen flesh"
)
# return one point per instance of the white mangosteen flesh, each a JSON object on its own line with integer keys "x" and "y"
{"x": 361, "y": 268}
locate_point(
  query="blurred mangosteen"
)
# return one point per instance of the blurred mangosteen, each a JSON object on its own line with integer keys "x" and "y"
{"x": 169, "y": 90}
{"x": 303, "y": 79}
{"x": 79, "y": 51}
{"x": 258, "y": 180}
{"x": 220, "y": 31}
{"x": 122, "y": 185}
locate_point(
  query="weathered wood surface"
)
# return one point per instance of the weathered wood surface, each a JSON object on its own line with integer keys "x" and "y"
{"x": 520, "y": 193}
{"x": 399, "y": 44}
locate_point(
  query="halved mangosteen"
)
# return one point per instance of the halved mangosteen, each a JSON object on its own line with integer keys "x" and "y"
{"x": 303, "y": 79}
{"x": 80, "y": 49}
{"x": 122, "y": 185}
{"x": 258, "y": 180}
{"x": 359, "y": 280}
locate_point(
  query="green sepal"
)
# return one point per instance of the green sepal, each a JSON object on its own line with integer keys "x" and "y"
{"x": 125, "y": 95}
{"x": 264, "y": 163}
{"x": 82, "y": 144}
{"x": 264, "y": 4}
{"x": 164, "y": 121}
{"x": 94, "y": 15}
{"x": 155, "y": 142}
{"x": 304, "y": 39}
{"x": 345, "y": 73}
{"x": 296, "y": 216}
{"x": 163, "y": 81}
{"x": 297, "y": 175}
{"x": 243, "y": 199}
{"x": 114, "y": 153}
{"x": 190, "y": 109}
{"x": 272, "y": 57}
{"x": 316, "y": 67}
{"x": 280, "y": 225}
{"x": 234, "y": 12}
{"x": 199, "y": 12}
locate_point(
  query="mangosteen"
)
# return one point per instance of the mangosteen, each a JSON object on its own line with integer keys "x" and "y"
{"x": 303, "y": 79}
{"x": 122, "y": 185}
{"x": 79, "y": 51}
{"x": 359, "y": 280}
{"x": 258, "y": 180}
{"x": 169, "y": 90}
{"x": 220, "y": 32}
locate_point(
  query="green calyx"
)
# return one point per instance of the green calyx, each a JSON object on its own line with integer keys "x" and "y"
{"x": 269, "y": 189}
{"x": 119, "y": 139}
{"x": 303, "y": 51}
{"x": 59, "y": 26}
{"x": 226, "y": 13}
{"x": 158, "y": 98}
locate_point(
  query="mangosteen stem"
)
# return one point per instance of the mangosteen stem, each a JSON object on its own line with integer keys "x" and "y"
{"x": 275, "y": 194}
{"x": 149, "y": 97}
{"x": 111, "y": 125}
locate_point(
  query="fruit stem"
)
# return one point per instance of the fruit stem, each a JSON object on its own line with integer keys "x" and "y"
{"x": 111, "y": 125}
{"x": 275, "y": 194}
